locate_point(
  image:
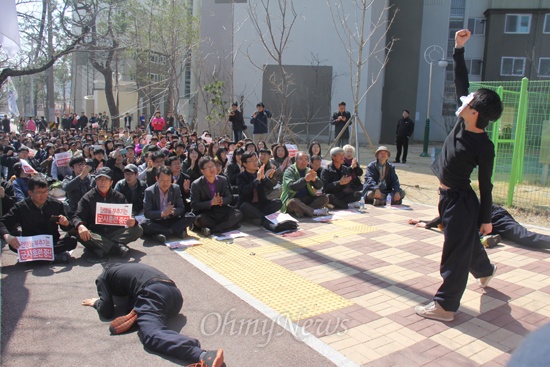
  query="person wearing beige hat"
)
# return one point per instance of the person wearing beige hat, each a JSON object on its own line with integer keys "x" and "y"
{"x": 381, "y": 180}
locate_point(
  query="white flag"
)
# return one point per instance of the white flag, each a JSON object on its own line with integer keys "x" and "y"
{"x": 12, "y": 98}
{"x": 9, "y": 29}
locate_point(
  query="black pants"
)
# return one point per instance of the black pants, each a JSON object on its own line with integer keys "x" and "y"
{"x": 219, "y": 218}
{"x": 255, "y": 212}
{"x": 238, "y": 135}
{"x": 462, "y": 250}
{"x": 505, "y": 225}
{"x": 168, "y": 227}
{"x": 155, "y": 304}
{"x": 342, "y": 200}
{"x": 402, "y": 144}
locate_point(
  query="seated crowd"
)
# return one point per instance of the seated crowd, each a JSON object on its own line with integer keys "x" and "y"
{"x": 175, "y": 181}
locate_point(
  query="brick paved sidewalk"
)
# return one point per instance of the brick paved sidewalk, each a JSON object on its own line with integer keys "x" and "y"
{"x": 354, "y": 282}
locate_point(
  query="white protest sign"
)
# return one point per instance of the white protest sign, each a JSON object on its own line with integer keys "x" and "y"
{"x": 292, "y": 150}
{"x": 95, "y": 125}
{"x": 35, "y": 248}
{"x": 32, "y": 153}
{"x": 62, "y": 159}
{"x": 27, "y": 168}
{"x": 279, "y": 217}
{"x": 112, "y": 214}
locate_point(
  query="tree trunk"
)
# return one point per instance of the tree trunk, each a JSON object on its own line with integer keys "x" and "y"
{"x": 50, "y": 91}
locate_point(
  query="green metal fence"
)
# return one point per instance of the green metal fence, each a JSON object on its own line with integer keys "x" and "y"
{"x": 522, "y": 144}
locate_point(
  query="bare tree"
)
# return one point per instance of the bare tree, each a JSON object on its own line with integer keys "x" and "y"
{"x": 365, "y": 42}
{"x": 273, "y": 22}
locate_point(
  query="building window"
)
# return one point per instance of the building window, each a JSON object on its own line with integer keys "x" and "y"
{"x": 163, "y": 60}
{"x": 476, "y": 26}
{"x": 517, "y": 23}
{"x": 546, "y": 28}
{"x": 513, "y": 66}
{"x": 544, "y": 67}
{"x": 155, "y": 77}
{"x": 474, "y": 67}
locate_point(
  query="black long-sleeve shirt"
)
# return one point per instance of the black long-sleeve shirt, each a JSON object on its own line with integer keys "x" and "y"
{"x": 123, "y": 280}
{"x": 464, "y": 150}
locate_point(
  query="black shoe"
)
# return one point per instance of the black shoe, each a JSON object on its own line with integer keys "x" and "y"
{"x": 123, "y": 250}
{"x": 159, "y": 238}
{"x": 404, "y": 161}
{"x": 62, "y": 258}
{"x": 183, "y": 234}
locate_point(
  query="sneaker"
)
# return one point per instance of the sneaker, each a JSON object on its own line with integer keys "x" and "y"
{"x": 123, "y": 323}
{"x": 183, "y": 234}
{"x": 484, "y": 282}
{"x": 205, "y": 231}
{"x": 320, "y": 212}
{"x": 378, "y": 202}
{"x": 491, "y": 241}
{"x": 354, "y": 205}
{"x": 434, "y": 311}
{"x": 159, "y": 238}
{"x": 97, "y": 260}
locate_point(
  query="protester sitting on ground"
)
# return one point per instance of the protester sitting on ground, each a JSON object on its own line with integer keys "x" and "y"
{"x": 132, "y": 188}
{"x": 153, "y": 164}
{"x": 164, "y": 211}
{"x": 154, "y": 298}
{"x": 252, "y": 182}
{"x": 115, "y": 163}
{"x": 299, "y": 192}
{"x": 98, "y": 161}
{"x": 314, "y": 149}
{"x": 381, "y": 180}
{"x": 210, "y": 199}
{"x": 182, "y": 180}
{"x": 234, "y": 168}
{"x": 103, "y": 239}
{"x": 315, "y": 162}
{"x": 190, "y": 165}
{"x": 504, "y": 226}
{"x": 20, "y": 183}
{"x": 38, "y": 214}
{"x": 77, "y": 184}
{"x": 7, "y": 196}
{"x": 337, "y": 182}
{"x": 356, "y": 171}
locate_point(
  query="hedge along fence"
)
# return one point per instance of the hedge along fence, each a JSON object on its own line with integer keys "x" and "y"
{"x": 522, "y": 144}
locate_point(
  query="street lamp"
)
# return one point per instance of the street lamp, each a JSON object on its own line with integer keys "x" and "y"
{"x": 432, "y": 54}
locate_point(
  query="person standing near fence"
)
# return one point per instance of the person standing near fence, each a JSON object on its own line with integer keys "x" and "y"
{"x": 467, "y": 146}
{"x": 405, "y": 129}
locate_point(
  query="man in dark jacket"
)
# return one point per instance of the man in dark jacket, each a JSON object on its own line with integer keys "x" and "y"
{"x": 34, "y": 215}
{"x": 237, "y": 122}
{"x": 337, "y": 182}
{"x": 164, "y": 210}
{"x": 339, "y": 120}
{"x": 77, "y": 184}
{"x": 381, "y": 180}
{"x": 252, "y": 183}
{"x": 405, "y": 129}
{"x": 103, "y": 239}
{"x": 132, "y": 188}
{"x": 260, "y": 120}
{"x": 154, "y": 299}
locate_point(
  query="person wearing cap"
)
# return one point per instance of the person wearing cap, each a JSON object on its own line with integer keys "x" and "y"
{"x": 132, "y": 188}
{"x": 466, "y": 148}
{"x": 403, "y": 132}
{"x": 260, "y": 120}
{"x": 77, "y": 184}
{"x": 337, "y": 182}
{"x": 102, "y": 239}
{"x": 153, "y": 299}
{"x": 381, "y": 180}
{"x": 164, "y": 209}
{"x": 34, "y": 216}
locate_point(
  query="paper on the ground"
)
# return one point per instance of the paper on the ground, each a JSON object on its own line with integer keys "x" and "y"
{"x": 229, "y": 235}
{"x": 339, "y": 214}
{"x": 401, "y": 207}
{"x": 279, "y": 217}
{"x": 183, "y": 243}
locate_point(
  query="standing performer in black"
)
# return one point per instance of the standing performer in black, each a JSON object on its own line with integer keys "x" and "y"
{"x": 467, "y": 146}
{"x": 404, "y": 131}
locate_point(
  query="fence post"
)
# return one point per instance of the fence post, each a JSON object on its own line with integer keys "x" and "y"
{"x": 518, "y": 154}
{"x": 495, "y": 134}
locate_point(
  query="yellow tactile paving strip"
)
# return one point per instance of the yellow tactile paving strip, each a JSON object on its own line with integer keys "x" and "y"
{"x": 280, "y": 289}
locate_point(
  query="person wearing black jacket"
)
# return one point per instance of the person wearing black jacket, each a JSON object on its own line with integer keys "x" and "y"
{"x": 339, "y": 119}
{"x": 154, "y": 298}
{"x": 132, "y": 188}
{"x": 34, "y": 215}
{"x": 467, "y": 146}
{"x": 405, "y": 129}
{"x": 337, "y": 182}
{"x": 77, "y": 184}
{"x": 253, "y": 183}
{"x": 237, "y": 122}
{"x": 99, "y": 238}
